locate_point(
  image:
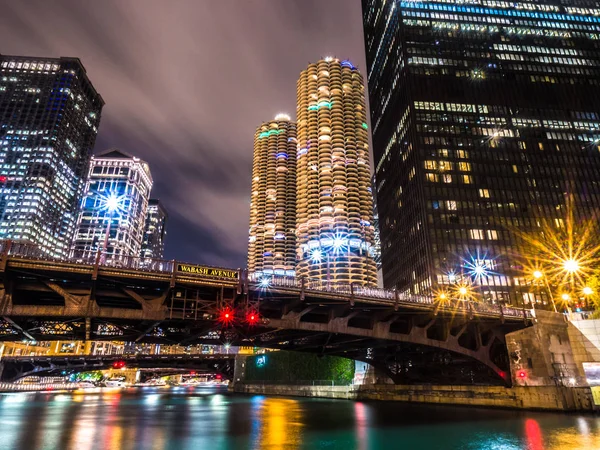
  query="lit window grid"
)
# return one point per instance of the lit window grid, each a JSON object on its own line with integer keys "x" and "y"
{"x": 127, "y": 227}
{"x": 153, "y": 242}
{"x": 552, "y": 61}
{"x": 40, "y": 151}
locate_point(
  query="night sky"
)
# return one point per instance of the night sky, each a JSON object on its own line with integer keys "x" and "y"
{"x": 186, "y": 83}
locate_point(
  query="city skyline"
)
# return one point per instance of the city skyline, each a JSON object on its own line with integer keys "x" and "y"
{"x": 202, "y": 169}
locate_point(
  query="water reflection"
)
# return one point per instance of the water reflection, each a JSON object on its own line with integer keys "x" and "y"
{"x": 168, "y": 419}
{"x": 277, "y": 423}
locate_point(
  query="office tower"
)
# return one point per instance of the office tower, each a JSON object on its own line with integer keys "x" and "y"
{"x": 49, "y": 117}
{"x": 113, "y": 210}
{"x": 485, "y": 119}
{"x": 334, "y": 225}
{"x": 272, "y": 240}
{"x": 376, "y": 237}
{"x": 155, "y": 230}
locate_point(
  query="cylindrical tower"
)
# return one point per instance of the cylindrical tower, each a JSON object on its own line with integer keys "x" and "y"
{"x": 334, "y": 208}
{"x": 272, "y": 241}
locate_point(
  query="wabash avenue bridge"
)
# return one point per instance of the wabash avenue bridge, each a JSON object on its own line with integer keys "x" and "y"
{"x": 411, "y": 339}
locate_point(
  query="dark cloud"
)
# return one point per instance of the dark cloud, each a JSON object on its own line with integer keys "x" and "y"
{"x": 186, "y": 82}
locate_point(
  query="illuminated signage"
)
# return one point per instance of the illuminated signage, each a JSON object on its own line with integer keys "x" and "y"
{"x": 261, "y": 361}
{"x": 208, "y": 271}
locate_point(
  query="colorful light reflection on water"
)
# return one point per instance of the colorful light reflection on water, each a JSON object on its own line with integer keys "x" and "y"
{"x": 188, "y": 418}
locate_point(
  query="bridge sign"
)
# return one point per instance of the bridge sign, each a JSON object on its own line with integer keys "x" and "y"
{"x": 209, "y": 271}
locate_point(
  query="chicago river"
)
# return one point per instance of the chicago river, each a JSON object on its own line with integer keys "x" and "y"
{"x": 210, "y": 418}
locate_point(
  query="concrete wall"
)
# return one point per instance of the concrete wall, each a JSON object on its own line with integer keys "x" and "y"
{"x": 537, "y": 397}
{"x": 541, "y": 355}
{"x": 585, "y": 341}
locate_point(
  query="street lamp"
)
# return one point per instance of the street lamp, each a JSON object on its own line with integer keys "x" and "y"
{"x": 538, "y": 274}
{"x": 110, "y": 203}
{"x": 571, "y": 265}
{"x": 588, "y": 290}
{"x": 317, "y": 257}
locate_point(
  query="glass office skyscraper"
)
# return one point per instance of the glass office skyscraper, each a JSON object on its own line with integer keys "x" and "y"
{"x": 155, "y": 230}
{"x": 486, "y": 120}
{"x": 49, "y": 118}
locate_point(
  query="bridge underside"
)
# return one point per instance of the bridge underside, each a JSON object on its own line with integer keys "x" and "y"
{"x": 13, "y": 369}
{"x": 416, "y": 343}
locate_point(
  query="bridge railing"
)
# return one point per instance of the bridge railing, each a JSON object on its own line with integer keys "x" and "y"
{"x": 262, "y": 281}
{"x": 259, "y": 281}
{"x": 89, "y": 258}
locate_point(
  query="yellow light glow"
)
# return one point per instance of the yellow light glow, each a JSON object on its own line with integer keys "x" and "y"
{"x": 571, "y": 265}
{"x": 443, "y": 296}
{"x": 588, "y": 290}
{"x": 566, "y": 297}
{"x": 538, "y": 274}
{"x": 462, "y": 290}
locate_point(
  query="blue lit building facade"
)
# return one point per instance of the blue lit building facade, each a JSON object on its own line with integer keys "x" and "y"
{"x": 486, "y": 120}
{"x": 113, "y": 176}
{"x": 49, "y": 118}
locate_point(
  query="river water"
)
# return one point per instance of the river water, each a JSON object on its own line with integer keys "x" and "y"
{"x": 196, "y": 418}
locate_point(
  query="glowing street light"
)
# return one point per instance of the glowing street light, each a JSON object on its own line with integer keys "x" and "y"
{"x": 571, "y": 266}
{"x": 111, "y": 203}
{"x": 588, "y": 290}
{"x": 316, "y": 256}
{"x": 538, "y": 274}
{"x": 338, "y": 243}
{"x": 566, "y": 297}
{"x": 463, "y": 290}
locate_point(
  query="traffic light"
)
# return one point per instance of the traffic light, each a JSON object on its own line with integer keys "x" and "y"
{"x": 252, "y": 317}
{"x": 118, "y": 364}
{"x": 226, "y": 316}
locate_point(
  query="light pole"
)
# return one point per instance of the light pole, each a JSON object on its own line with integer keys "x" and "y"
{"x": 571, "y": 266}
{"x": 538, "y": 274}
{"x": 587, "y": 292}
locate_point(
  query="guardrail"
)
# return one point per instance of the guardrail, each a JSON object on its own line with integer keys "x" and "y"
{"x": 255, "y": 280}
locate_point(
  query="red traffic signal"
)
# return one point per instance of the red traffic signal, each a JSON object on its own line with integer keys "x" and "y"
{"x": 522, "y": 374}
{"x": 252, "y": 317}
{"x": 226, "y": 316}
{"x": 118, "y": 364}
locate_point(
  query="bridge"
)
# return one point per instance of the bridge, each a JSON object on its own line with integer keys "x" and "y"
{"x": 410, "y": 338}
{"x": 13, "y": 368}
